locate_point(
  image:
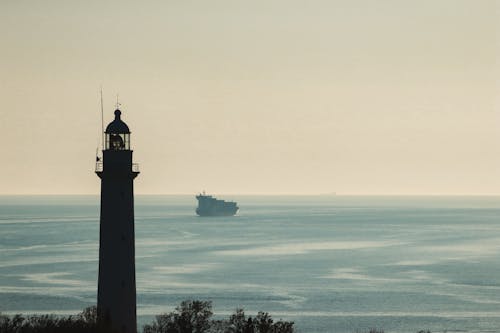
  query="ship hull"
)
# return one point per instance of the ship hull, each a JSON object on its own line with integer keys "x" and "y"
{"x": 203, "y": 213}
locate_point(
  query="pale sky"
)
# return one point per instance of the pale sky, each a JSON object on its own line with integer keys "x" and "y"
{"x": 254, "y": 97}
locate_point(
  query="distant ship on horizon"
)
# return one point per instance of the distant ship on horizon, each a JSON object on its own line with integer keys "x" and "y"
{"x": 210, "y": 206}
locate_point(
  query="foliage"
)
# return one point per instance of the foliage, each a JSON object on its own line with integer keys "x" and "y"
{"x": 194, "y": 317}
{"x": 84, "y": 322}
{"x": 189, "y": 317}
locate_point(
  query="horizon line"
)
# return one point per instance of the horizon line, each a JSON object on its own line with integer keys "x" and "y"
{"x": 277, "y": 194}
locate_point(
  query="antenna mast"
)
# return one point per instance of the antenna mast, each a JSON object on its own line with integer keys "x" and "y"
{"x": 102, "y": 122}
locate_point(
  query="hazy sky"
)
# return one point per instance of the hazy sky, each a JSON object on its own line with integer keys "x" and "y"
{"x": 271, "y": 96}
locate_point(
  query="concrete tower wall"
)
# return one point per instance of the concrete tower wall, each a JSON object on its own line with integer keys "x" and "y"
{"x": 116, "y": 299}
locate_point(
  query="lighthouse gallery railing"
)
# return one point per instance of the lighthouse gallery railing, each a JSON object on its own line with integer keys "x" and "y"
{"x": 99, "y": 167}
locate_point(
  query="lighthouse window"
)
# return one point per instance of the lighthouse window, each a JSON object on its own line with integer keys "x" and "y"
{"x": 116, "y": 142}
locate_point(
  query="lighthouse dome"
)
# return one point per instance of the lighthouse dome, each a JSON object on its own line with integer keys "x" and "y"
{"x": 117, "y": 126}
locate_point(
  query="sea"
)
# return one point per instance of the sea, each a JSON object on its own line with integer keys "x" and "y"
{"x": 329, "y": 263}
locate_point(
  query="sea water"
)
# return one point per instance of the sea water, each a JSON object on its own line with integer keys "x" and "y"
{"x": 328, "y": 263}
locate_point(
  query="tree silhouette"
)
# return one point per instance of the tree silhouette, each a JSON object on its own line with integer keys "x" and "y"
{"x": 189, "y": 317}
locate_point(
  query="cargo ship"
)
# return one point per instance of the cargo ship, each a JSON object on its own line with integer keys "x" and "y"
{"x": 210, "y": 206}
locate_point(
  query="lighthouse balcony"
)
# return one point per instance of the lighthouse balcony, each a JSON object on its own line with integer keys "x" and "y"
{"x": 99, "y": 167}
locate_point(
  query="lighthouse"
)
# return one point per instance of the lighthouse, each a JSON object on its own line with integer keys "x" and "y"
{"x": 116, "y": 294}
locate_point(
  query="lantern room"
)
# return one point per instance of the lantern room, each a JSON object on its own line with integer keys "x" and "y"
{"x": 117, "y": 134}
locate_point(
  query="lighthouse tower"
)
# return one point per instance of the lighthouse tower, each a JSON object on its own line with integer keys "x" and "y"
{"x": 116, "y": 298}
